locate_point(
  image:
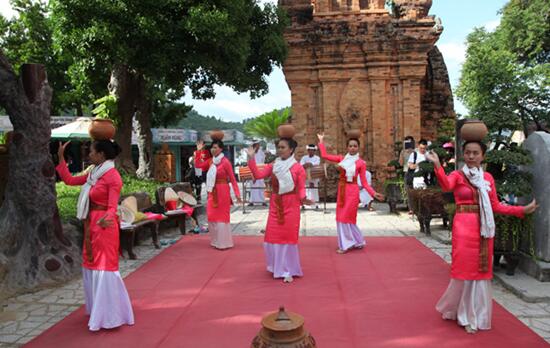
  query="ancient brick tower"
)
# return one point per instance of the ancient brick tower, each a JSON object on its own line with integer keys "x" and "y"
{"x": 354, "y": 65}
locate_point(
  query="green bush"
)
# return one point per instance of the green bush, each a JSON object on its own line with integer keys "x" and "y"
{"x": 67, "y": 196}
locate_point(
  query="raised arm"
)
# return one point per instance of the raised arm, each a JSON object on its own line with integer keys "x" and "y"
{"x": 500, "y": 208}
{"x": 232, "y": 179}
{"x": 199, "y": 162}
{"x": 364, "y": 181}
{"x": 257, "y": 173}
{"x": 66, "y": 176}
{"x": 447, "y": 183}
{"x": 326, "y": 156}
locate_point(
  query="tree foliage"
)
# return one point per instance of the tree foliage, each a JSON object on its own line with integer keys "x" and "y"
{"x": 265, "y": 125}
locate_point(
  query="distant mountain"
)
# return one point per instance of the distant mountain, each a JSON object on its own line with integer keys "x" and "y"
{"x": 196, "y": 121}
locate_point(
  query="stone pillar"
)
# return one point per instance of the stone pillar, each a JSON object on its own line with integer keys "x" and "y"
{"x": 539, "y": 145}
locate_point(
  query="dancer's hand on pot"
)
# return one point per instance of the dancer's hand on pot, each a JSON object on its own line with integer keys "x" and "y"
{"x": 531, "y": 207}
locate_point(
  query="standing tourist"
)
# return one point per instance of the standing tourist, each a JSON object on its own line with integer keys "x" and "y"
{"x": 351, "y": 166}
{"x": 257, "y": 186}
{"x": 219, "y": 173}
{"x": 288, "y": 194}
{"x": 468, "y": 298}
{"x": 107, "y": 301}
{"x": 312, "y": 185}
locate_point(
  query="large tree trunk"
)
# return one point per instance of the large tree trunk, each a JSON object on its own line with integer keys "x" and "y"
{"x": 143, "y": 130}
{"x": 33, "y": 250}
{"x": 123, "y": 86}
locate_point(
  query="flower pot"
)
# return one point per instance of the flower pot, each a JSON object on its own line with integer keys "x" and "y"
{"x": 286, "y": 131}
{"x": 473, "y": 130}
{"x": 102, "y": 129}
{"x": 353, "y": 134}
{"x": 216, "y": 134}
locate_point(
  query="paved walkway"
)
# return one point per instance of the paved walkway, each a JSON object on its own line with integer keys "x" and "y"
{"x": 23, "y": 317}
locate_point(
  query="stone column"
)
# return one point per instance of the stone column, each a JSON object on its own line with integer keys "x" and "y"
{"x": 539, "y": 145}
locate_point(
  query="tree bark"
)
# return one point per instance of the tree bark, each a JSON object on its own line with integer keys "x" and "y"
{"x": 33, "y": 249}
{"x": 123, "y": 85}
{"x": 143, "y": 129}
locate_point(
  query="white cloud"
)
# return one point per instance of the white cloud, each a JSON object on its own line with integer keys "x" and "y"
{"x": 5, "y": 9}
{"x": 453, "y": 52}
{"x": 492, "y": 25}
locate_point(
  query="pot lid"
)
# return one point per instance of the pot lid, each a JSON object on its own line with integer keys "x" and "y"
{"x": 282, "y": 320}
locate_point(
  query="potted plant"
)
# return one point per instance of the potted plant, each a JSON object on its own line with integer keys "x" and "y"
{"x": 102, "y": 126}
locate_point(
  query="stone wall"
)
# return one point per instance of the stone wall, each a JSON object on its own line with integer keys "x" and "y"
{"x": 352, "y": 65}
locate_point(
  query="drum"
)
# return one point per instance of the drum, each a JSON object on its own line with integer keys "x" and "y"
{"x": 246, "y": 174}
{"x": 316, "y": 172}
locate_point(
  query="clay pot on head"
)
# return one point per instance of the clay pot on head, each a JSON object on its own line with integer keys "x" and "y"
{"x": 473, "y": 130}
{"x": 353, "y": 134}
{"x": 102, "y": 129}
{"x": 216, "y": 134}
{"x": 286, "y": 131}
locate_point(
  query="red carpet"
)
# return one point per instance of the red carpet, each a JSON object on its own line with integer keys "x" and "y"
{"x": 383, "y": 296}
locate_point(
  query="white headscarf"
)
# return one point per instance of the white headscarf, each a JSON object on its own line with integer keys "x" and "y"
{"x": 281, "y": 169}
{"x": 212, "y": 171}
{"x": 475, "y": 176}
{"x": 348, "y": 164}
{"x": 95, "y": 174}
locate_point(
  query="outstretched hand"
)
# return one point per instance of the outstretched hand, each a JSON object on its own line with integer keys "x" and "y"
{"x": 380, "y": 197}
{"x": 321, "y": 137}
{"x": 250, "y": 152}
{"x": 531, "y": 207}
{"x": 200, "y": 145}
{"x": 61, "y": 151}
{"x": 307, "y": 201}
{"x": 433, "y": 157}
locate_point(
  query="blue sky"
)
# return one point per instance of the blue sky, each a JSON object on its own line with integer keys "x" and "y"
{"x": 459, "y": 17}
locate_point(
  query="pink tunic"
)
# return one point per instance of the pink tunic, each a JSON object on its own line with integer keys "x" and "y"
{"x": 104, "y": 241}
{"x": 219, "y": 200}
{"x": 466, "y": 225}
{"x": 348, "y": 192}
{"x": 287, "y": 231}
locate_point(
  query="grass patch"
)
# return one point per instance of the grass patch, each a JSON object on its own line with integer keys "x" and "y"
{"x": 67, "y": 196}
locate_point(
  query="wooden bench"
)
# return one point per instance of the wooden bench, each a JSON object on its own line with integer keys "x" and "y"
{"x": 179, "y": 218}
{"x": 128, "y": 233}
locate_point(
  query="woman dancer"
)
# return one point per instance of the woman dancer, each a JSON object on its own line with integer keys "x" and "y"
{"x": 350, "y": 166}
{"x": 219, "y": 173}
{"x": 107, "y": 301}
{"x": 468, "y": 298}
{"x": 288, "y": 194}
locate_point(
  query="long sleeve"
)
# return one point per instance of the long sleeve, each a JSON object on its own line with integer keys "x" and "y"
{"x": 257, "y": 173}
{"x": 500, "y": 208}
{"x": 325, "y": 155}
{"x": 232, "y": 179}
{"x": 447, "y": 183}
{"x": 364, "y": 181}
{"x": 66, "y": 176}
{"x": 300, "y": 183}
{"x": 115, "y": 186}
{"x": 201, "y": 163}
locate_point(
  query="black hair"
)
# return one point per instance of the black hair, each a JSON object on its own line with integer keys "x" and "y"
{"x": 110, "y": 149}
{"x": 409, "y": 137}
{"x": 423, "y": 142}
{"x": 409, "y": 142}
{"x": 217, "y": 142}
{"x": 311, "y": 145}
{"x": 291, "y": 143}
{"x": 481, "y": 144}
{"x": 354, "y": 139}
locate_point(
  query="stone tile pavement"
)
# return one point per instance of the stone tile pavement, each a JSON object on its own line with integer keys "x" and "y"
{"x": 25, "y": 316}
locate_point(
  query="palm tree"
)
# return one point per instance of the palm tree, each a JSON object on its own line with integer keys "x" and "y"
{"x": 265, "y": 125}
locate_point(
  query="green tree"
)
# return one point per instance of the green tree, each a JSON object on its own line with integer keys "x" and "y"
{"x": 265, "y": 125}
{"x": 153, "y": 48}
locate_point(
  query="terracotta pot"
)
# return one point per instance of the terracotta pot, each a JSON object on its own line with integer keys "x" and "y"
{"x": 353, "y": 134}
{"x": 473, "y": 130}
{"x": 102, "y": 129}
{"x": 216, "y": 134}
{"x": 286, "y": 131}
{"x": 283, "y": 330}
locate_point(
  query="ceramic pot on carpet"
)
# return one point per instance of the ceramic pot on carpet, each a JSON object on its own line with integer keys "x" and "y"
{"x": 283, "y": 330}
